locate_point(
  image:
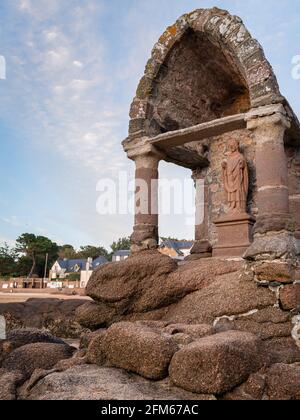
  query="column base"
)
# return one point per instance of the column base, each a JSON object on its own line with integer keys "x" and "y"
{"x": 274, "y": 246}
{"x": 235, "y": 235}
{"x": 144, "y": 237}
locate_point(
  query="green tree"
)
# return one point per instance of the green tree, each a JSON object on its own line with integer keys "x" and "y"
{"x": 8, "y": 263}
{"x": 23, "y": 266}
{"x": 90, "y": 251}
{"x": 66, "y": 251}
{"x": 35, "y": 248}
{"x": 121, "y": 244}
{"x": 169, "y": 239}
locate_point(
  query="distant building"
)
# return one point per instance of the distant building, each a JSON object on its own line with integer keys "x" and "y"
{"x": 62, "y": 269}
{"x": 121, "y": 255}
{"x": 176, "y": 249}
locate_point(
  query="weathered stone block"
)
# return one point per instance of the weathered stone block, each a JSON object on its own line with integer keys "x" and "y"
{"x": 159, "y": 52}
{"x": 247, "y": 49}
{"x": 239, "y": 36}
{"x": 257, "y": 57}
{"x": 290, "y": 297}
{"x": 139, "y": 349}
{"x": 271, "y": 248}
{"x": 273, "y": 223}
{"x": 198, "y": 19}
{"x": 153, "y": 68}
{"x": 275, "y": 272}
{"x": 266, "y": 89}
{"x": 138, "y": 109}
{"x": 144, "y": 88}
{"x": 216, "y": 364}
{"x": 137, "y": 125}
{"x": 259, "y": 73}
{"x": 283, "y": 382}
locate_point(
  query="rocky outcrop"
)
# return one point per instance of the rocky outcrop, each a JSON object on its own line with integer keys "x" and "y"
{"x": 279, "y": 382}
{"x": 133, "y": 360}
{"x": 22, "y": 337}
{"x": 94, "y": 315}
{"x": 283, "y": 382}
{"x": 9, "y": 381}
{"x": 28, "y": 358}
{"x": 223, "y": 294}
{"x": 177, "y": 332}
{"x": 55, "y": 315}
{"x": 148, "y": 286}
{"x": 217, "y": 364}
{"x": 92, "y": 382}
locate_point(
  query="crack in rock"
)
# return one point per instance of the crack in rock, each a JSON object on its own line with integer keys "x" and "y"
{"x": 235, "y": 317}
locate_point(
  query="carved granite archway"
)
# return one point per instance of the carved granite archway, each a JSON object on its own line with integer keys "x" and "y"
{"x": 208, "y": 79}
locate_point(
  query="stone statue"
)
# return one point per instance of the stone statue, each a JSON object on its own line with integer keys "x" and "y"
{"x": 236, "y": 178}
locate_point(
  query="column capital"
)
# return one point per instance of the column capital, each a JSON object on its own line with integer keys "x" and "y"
{"x": 143, "y": 152}
{"x": 199, "y": 173}
{"x": 265, "y": 116}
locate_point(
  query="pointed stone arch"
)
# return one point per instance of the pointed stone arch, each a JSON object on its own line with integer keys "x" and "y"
{"x": 242, "y": 77}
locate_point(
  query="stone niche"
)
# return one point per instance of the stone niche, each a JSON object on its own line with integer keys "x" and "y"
{"x": 218, "y": 205}
{"x": 197, "y": 83}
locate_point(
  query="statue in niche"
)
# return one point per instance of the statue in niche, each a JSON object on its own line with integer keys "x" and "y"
{"x": 236, "y": 178}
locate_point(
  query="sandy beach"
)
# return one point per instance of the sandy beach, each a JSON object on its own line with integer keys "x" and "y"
{"x": 23, "y": 297}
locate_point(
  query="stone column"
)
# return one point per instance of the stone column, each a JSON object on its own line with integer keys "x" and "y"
{"x": 273, "y": 231}
{"x": 202, "y": 247}
{"x": 145, "y": 231}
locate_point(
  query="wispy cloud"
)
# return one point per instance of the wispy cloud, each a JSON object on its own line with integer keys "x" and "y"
{"x": 62, "y": 82}
{"x": 72, "y": 69}
{"x": 8, "y": 241}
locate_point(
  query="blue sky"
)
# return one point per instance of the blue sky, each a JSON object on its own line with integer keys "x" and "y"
{"x": 72, "y": 70}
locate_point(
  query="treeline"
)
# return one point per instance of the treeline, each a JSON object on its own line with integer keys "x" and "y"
{"x": 28, "y": 256}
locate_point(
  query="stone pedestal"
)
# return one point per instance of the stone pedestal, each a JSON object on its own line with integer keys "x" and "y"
{"x": 235, "y": 235}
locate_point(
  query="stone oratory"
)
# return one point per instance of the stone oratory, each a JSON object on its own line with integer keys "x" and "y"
{"x": 209, "y": 101}
{"x": 225, "y": 325}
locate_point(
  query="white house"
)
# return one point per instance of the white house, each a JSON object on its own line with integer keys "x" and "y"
{"x": 121, "y": 255}
{"x": 62, "y": 269}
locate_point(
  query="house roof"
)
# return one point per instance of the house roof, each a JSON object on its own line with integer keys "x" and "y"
{"x": 122, "y": 253}
{"x": 71, "y": 266}
{"x": 177, "y": 245}
{"x": 99, "y": 261}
